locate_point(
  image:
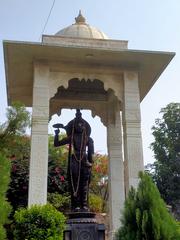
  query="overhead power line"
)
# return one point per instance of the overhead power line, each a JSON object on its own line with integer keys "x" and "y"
{"x": 47, "y": 19}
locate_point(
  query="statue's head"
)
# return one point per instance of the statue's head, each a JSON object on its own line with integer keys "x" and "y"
{"x": 78, "y": 114}
{"x": 79, "y": 124}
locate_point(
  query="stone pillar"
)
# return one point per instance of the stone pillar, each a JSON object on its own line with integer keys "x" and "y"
{"x": 39, "y": 137}
{"x": 133, "y": 152}
{"x": 116, "y": 168}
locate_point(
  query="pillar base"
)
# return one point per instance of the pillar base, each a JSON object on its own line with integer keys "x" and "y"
{"x": 82, "y": 225}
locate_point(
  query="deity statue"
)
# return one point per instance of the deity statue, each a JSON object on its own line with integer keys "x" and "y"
{"x": 80, "y": 160}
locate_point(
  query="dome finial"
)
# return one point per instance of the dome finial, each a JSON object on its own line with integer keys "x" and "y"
{"x": 80, "y": 19}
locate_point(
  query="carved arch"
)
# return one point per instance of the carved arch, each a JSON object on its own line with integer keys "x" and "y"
{"x": 91, "y": 94}
{"x": 110, "y": 81}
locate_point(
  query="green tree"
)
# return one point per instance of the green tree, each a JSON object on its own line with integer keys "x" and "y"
{"x": 14, "y": 144}
{"x": 145, "y": 216}
{"x": 18, "y": 119}
{"x": 57, "y": 167}
{"x": 166, "y": 147}
{"x": 10, "y": 132}
{"x": 4, "y": 205}
{"x": 57, "y": 171}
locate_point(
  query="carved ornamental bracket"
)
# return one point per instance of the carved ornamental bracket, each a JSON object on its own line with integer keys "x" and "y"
{"x": 97, "y": 102}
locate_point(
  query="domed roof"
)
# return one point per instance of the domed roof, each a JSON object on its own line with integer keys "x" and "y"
{"x": 80, "y": 29}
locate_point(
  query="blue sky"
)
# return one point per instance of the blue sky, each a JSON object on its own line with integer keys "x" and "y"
{"x": 148, "y": 25}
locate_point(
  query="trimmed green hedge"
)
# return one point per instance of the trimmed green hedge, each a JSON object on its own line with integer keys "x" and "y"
{"x": 39, "y": 223}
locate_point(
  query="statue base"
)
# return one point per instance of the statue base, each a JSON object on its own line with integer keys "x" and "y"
{"x": 83, "y": 226}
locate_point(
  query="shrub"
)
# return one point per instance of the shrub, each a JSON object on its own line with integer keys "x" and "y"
{"x": 39, "y": 223}
{"x": 5, "y": 207}
{"x": 57, "y": 177}
{"x": 99, "y": 179}
{"x": 178, "y": 224}
{"x": 95, "y": 203}
{"x": 18, "y": 188}
{"x": 145, "y": 215}
{"x": 60, "y": 201}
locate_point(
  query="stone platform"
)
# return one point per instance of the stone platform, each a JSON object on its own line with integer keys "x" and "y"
{"x": 83, "y": 226}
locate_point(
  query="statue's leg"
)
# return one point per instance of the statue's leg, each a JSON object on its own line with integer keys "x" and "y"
{"x": 86, "y": 172}
{"x": 74, "y": 186}
{"x": 70, "y": 189}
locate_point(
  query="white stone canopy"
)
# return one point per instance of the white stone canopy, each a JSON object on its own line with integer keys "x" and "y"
{"x": 63, "y": 53}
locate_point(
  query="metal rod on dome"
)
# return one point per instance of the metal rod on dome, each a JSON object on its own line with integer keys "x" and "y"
{"x": 80, "y": 19}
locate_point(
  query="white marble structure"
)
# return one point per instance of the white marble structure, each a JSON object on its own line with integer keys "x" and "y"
{"x": 80, "y": 68}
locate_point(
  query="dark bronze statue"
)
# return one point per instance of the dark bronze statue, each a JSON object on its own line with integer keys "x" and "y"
{"x": 81, "y": 149}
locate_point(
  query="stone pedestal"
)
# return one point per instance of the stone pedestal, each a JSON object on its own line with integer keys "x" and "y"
{"x": 83, "y": 226}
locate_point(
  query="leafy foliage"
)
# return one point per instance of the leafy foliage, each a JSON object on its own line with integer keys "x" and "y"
{"x": 18, "y": 119}
{"x": 60, "y": 201}
{"x": 39, "y": 223}
{"x": 145, "y": 215}
{"x": 4, "y": 205}
{"x": 11, "y": 133}
{"x": 57, "y": 168}
{"x": 57, "y": 177}
{"x": 166, "y": 147}
{"x": 99, "y": 180}
{"x": 18, "y": 188}
{"x": 95, "y": 203}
